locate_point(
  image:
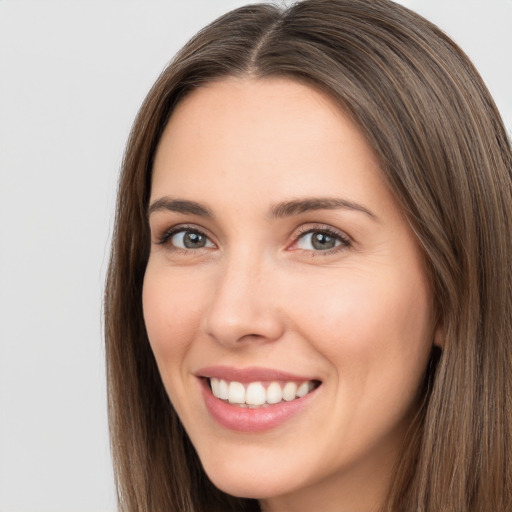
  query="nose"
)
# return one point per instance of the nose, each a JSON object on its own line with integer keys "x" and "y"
{"x": 243, "y": 307}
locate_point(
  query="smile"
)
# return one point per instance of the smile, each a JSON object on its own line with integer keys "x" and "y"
{"x": 254, "y": 399}
{"x": 258, "y": 394}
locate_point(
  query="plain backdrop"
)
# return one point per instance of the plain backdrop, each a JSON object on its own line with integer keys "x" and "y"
{"x": 72, "y": 76}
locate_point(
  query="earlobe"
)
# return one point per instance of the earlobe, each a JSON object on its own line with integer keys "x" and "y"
{"x": 439, "y": 334}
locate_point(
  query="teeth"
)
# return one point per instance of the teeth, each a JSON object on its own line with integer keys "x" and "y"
{"x": 256, "y": 394}
{"x": 236, "y": 393}
{"x": 289, "y": 391}
{"x": 274, "y": 393}
{"x": 303, "y": 389}
{"x": 223, "y": 390}
{"x": 214, "y": 383}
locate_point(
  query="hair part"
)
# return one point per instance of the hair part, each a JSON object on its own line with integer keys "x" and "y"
{"x": 446, "y": 157}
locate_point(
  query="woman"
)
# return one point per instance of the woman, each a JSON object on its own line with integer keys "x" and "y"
{"x": 309, "y": 296}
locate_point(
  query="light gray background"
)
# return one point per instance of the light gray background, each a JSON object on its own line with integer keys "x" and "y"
{"x": 72, "y": 76}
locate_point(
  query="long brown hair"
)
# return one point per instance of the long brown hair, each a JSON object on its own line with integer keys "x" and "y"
{"x": 446, "y": 157}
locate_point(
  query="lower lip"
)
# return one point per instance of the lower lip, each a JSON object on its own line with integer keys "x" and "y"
{"x": 243, "y": 419}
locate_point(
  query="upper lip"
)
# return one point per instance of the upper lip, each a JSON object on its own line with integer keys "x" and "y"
{"x": 250, "y": 374}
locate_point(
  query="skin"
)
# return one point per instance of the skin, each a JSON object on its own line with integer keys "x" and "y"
{"x": 358, "y": 316}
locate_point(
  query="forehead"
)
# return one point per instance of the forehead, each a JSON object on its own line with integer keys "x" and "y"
{"x": 271, "y": 137}
{"x": 267, "y": 110}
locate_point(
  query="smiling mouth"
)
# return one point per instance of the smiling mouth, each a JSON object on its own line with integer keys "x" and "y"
{"x": 255, "y": 395}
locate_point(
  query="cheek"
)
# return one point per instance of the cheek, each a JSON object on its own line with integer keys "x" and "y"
{"x": 172, "y": 314}
{"x": 374, "y": 332}
{"x": 369, "y": 324}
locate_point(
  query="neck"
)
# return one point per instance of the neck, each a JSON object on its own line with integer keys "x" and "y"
{"x": 362, "y": 489}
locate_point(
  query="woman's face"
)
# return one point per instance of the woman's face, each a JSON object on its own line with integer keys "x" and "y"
{"x": 283, "y": 271}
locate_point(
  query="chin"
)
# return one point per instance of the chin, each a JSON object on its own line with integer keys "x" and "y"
{"x": 248, "y": 482}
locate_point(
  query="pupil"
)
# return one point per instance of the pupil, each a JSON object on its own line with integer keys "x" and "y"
{"x": 193, "y": 240}
{"x": 322, "y": 241}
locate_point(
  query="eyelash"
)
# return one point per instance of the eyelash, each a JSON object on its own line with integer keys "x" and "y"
{"x": 166, "y": 236}
{"x": 344, "y": 240}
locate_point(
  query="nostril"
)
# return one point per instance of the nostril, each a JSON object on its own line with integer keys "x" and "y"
{"x": 242, "y": 323}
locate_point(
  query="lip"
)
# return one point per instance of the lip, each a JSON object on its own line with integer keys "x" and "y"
{"x": 247, "y": 420}
{"x": 250, "y": 374}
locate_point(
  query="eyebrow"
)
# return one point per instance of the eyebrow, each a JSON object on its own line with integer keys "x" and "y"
{"x": 298, "y": 206}
{"x": 180, "y": 206}
{"x": 280, "y": 210}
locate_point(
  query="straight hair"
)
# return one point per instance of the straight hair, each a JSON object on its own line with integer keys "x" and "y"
{"x": 446, "y": 157}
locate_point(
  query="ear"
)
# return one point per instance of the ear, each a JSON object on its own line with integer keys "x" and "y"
{"x": 439, "y": 334}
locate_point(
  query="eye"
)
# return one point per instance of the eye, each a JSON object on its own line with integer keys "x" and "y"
{"x": 320, "y": 240}
{"x": 187, "y": 239}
